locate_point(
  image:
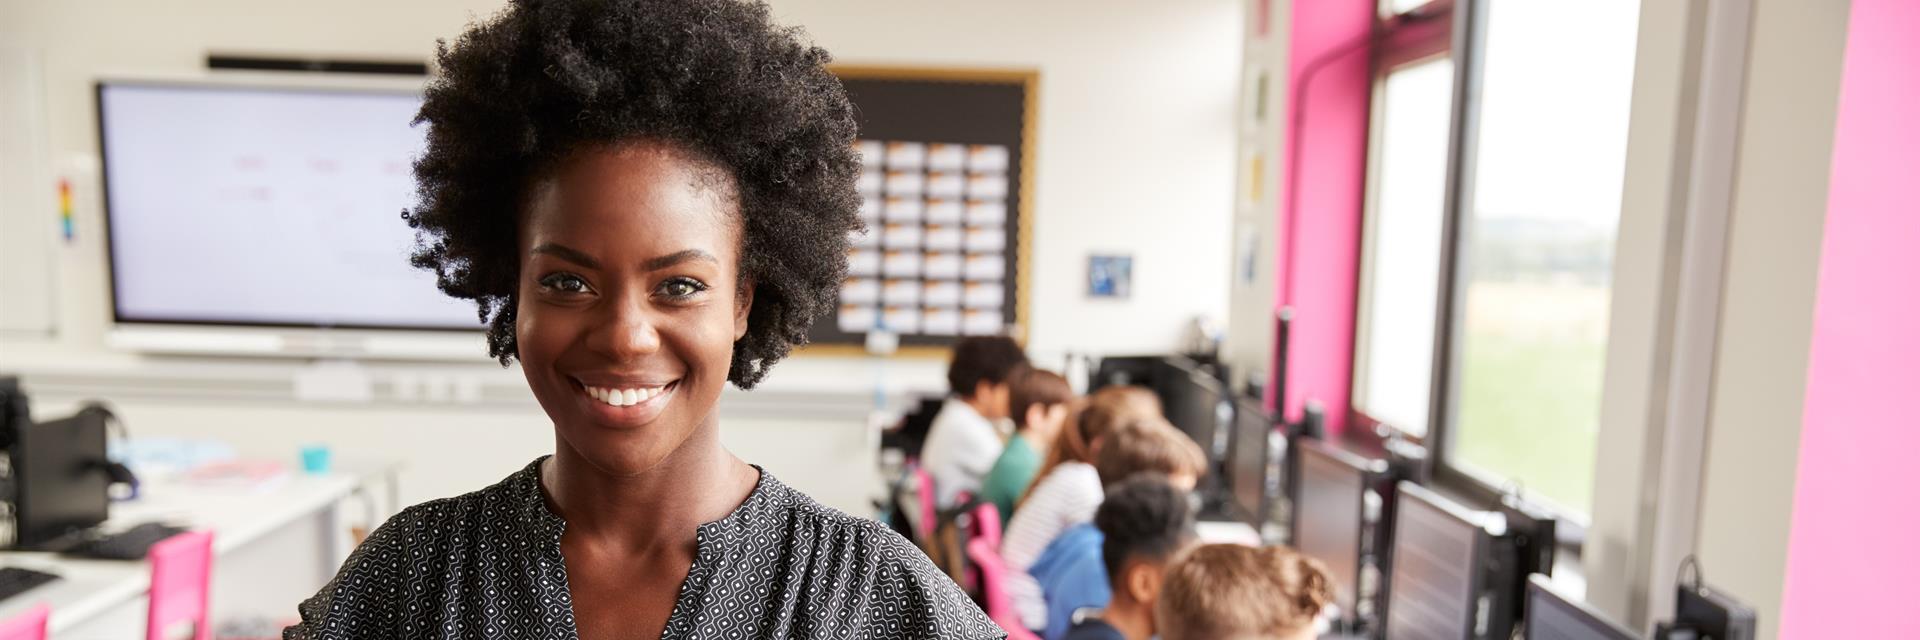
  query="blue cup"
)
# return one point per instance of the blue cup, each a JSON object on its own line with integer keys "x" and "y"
{"x": 316, "y": 458}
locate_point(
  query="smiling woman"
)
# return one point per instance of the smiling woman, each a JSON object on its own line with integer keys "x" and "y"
{"x": 647, "y": 199}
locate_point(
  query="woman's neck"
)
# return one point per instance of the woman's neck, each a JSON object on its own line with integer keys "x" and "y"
{"x": 657, "y": 509}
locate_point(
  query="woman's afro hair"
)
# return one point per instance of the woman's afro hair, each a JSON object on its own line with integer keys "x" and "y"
{"x": 715, "y": 78}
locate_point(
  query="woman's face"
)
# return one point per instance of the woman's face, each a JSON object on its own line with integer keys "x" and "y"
{"x": 629, "y": 300}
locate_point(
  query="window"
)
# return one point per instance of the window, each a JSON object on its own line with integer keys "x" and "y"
{"x": 1537, "y": 243}
{"x": 1399, "y": 291}
{"x": 1488, "y": 249}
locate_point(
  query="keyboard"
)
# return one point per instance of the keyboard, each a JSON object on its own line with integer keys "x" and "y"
{"x": 15, "y": 580}
{"x": 131, "y": 544}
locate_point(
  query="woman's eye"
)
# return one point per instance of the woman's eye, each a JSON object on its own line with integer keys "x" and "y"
{"x": 681, "y": 288}
{"x": 564, "y": 282}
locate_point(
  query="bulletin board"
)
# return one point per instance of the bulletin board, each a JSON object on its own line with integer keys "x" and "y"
{"x": 945, "y": 191}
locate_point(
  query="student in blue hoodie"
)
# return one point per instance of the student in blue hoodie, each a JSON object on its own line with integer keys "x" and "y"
{"x": 1108, "y": 573}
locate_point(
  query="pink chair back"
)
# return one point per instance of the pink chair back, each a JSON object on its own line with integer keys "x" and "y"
{"x": 993, "y": 585}
{"x": 31, "y": 625}
{"x": 929, "y": 518}
{"x": 986, "y": 524}
{"x": 182, "y": 585}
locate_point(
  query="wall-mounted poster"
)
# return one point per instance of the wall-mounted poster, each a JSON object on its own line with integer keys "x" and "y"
{"x": 1109, "y": 276}
{"x": 946, "y": 171}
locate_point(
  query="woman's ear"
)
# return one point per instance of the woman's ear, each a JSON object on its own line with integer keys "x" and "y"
{"x": 742, "y": 307}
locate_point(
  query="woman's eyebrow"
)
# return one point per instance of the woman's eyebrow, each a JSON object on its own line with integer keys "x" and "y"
{"x": 677, "y": 257}
{"x": 567, "y": 253}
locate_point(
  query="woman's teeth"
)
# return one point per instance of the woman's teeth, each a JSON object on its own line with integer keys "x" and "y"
{"x": 625, "y": 397}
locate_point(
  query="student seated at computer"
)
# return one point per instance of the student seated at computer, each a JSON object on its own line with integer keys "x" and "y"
{"x": 1039, "y": 401}
{"x": 963, "y": 443}
{"x": 1107, "y": 573}
{"x": 1070, "y": 573}
{"x": 1067, "y": 490}
{"x": 1234, "y": 591}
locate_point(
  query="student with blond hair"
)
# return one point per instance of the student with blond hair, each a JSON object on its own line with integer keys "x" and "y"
{"x": 1236, "y": 592}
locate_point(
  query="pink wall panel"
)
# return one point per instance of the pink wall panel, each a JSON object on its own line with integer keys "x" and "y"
{"x": 1853, "y": 568}
{"x": 1318, "y": 279}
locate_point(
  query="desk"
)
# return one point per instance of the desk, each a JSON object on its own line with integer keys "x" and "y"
{"x": 1223, "y": 532}
{"x": 274, "y": 545}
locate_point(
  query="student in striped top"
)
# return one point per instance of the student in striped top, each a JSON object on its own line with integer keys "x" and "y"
{"x": 1068, "y": 490}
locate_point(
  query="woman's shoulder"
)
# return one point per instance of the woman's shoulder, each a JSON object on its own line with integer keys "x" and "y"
{"x": 819, "y": 525}
{"x": 890, "y": 573}
{"x": 512, "y": 500}
{"x": 430, "y": 531}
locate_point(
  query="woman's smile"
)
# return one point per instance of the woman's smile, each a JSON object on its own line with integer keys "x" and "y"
{"x": 625, "y": 403}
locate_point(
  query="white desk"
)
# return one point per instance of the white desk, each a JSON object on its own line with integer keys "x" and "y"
{"x": 273, "y": 546}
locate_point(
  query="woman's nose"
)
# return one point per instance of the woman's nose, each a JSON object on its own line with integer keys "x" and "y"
{"x": 629, "y": 330}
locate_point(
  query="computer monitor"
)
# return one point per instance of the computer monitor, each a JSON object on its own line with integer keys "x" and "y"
{"x": 1552, "y": 615}
{"x": 1123, "y": 370}
{"x": 1712, "y": 615}
{"x": 1196, "y": 402}
{"x": 60, "y": 478}
{"x": 303, "y": 185}
{"x": 1250, "y": 475}
{"x": 1527, "y": 548}
{"x": 1439, "y": 553}
{"x": 14, "y": 410}
{"x": 1329, "y": 506}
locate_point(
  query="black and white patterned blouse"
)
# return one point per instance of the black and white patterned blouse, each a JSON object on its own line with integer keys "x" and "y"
{"x": 488, "y": 565}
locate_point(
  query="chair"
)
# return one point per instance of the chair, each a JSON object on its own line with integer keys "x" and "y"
{"x": 181, "y": 585}
{"x": 993, "y": 582}
{"x": 986, "y": 524}
{"x": 929, "y": 515}
{"x": 31, "y": 625}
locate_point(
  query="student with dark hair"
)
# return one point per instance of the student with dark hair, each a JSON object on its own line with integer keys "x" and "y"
{"x": 645, "y": 200}
{"x": 1115, "y": 562}
{"x": 1069, "y": 580}
{"x": 963, "y": 442}
{"x": 1040, "y": 402}
{"x": 1234, "y": 591}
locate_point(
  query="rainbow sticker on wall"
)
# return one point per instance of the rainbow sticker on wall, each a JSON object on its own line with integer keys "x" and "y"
{"x": 66, "y": 210}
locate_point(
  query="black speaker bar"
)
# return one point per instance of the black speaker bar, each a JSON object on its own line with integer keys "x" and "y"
{"x": 316, "y": 65}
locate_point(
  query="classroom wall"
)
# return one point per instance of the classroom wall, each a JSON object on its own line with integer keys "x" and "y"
{"x": 1134, "y": 155}
{"x": 1135, "y": 149}
{"x": 1772, "y": 262}
{"x": 1256, "y": 208}
{"x": 1857, "y": 431}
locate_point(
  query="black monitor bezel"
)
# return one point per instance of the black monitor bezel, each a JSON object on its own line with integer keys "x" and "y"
{"x": 1540, "y": 587}
{"x": 1713, "y": 614}
{"x": 79, "y": 441}
{"x": 1256, "y": 515}
{"x": 1366, "y": 469}
{"x": 1173, "y": 371}
{"x": 1482, "y": 546}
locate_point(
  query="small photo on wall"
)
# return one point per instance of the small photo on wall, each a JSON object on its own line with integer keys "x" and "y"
{"x": 1109, "y": 276}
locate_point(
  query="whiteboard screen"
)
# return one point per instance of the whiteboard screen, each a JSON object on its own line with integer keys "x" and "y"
{"x": 258, "y": 206}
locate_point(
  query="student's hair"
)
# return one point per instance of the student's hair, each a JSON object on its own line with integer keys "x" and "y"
{"x": 1102, "y": 411}
{"x": 1143, "y": 517}
{"x": 1223, "y": 590}
{"x": 717, "y": 80}
{"x": 1147, "y": 443}
{"x": 1030, "y": 386}
{"x": 979, "y": 359}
